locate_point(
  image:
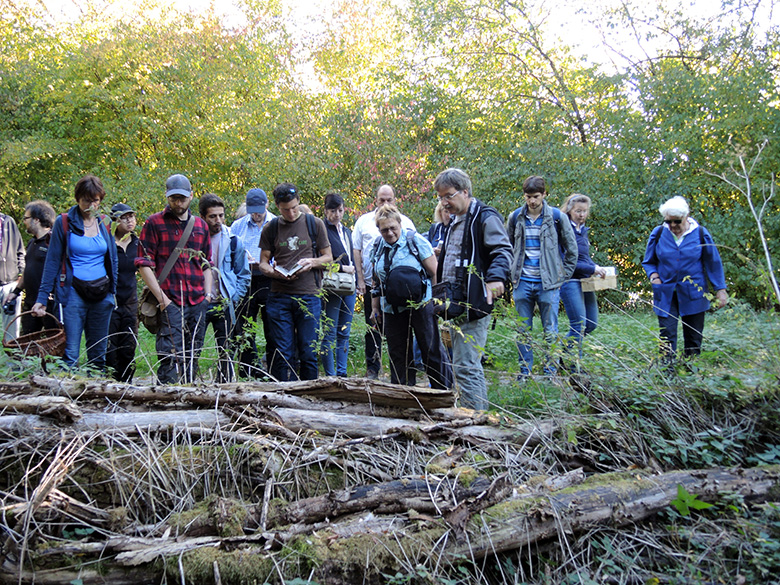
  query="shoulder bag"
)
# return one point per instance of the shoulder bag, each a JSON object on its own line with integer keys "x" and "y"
{"x": 149, "y": 312}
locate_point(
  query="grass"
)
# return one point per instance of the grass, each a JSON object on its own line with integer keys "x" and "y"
{"x": 623, "y": 349}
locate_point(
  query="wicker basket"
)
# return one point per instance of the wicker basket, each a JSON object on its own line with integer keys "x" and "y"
{"x": 37, "y": 343}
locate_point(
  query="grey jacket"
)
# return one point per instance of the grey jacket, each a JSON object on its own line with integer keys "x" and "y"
{"x": 558, "y": 259}
{"x": 12, "y": 251}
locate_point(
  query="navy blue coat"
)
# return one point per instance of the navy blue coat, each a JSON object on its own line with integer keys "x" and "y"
{"x": 585, "y": 266}
{"x": 683, "y": 269}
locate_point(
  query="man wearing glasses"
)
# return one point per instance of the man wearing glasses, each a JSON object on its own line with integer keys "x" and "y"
{"x": 39, "y": 217}
{"x": 185, "y": 292}
{"x": 364, "y": 234}
{"x": 545, "y": 255}
{"x": 475, "y": 258}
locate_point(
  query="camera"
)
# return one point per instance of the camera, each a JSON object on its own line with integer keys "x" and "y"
{"x": 9, "y": 307}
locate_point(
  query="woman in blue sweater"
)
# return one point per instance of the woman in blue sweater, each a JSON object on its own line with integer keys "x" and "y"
{"x": 679, "y": 259}
{"x": 81, "y": 269}
{"x": 582, "y": 308}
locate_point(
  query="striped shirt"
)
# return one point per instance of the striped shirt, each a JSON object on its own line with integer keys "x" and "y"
{"x": 533, "y": 250}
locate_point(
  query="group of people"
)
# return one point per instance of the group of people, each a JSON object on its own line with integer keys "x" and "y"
{"x": 298, "y": 277}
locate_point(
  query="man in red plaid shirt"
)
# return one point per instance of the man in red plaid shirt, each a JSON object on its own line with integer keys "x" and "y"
{"x": 182, "y": 295}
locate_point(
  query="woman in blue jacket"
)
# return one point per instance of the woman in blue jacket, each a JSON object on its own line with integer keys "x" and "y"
{"x": 679, "y": 259}
{"x": 582, "y": 308}
{"x": 81, "y": 268}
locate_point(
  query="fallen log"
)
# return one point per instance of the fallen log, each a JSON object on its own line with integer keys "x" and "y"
{"x": 426, "y": 494}
{"x": 121, "y": 422}
{"x": 337, "y": 547}
{"x": 294, "y": 420}
{"x": 57, "y": 407}
{"x": 369, "y": 394}
{"x": 618, "y": 499}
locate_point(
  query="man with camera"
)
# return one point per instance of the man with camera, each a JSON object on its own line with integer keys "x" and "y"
{"x": 475, "y": 259}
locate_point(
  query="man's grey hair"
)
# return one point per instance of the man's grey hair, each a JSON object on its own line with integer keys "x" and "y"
{"x": 675, "y": 207}
{"x": 455, "y": 178}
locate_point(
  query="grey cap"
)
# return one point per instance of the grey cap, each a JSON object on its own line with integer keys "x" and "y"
{"x": 178, "y": 185}
{"x": 119, "y": 210}
{"x": 256, "y": 200}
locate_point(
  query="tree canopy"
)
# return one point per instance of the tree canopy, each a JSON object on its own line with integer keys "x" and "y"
{"x": 395, "y": 92}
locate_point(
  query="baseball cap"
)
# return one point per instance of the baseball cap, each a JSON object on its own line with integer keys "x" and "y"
{"x": 256, "y": 200}
{"x": 178, "y": 185}
{"x": 119, "y": 210}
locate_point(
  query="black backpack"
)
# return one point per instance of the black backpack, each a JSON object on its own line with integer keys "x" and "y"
{"x": 403, "y": 284}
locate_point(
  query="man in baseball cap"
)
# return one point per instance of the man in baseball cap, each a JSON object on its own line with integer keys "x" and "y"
{"x": 248, "y": 229}
{"x": 186, "y": 290}
{"x": 178, "y": 185}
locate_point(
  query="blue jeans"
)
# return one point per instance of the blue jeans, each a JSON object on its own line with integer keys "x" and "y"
{"x": 527, "y": 295}
{"x": 294, "y": 323}
{"x": 468, "y": 344}
{"x": 582, "y": 309}
{"x": 336, "y": 327}
{"x": 91, "y": 319}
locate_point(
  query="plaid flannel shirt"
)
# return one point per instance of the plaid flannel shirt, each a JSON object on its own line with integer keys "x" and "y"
{"x": 159, "y": 237}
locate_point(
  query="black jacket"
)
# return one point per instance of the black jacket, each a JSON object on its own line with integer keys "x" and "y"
{"x": 486, "y": 247}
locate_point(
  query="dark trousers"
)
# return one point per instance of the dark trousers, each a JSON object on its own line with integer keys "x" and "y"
{"x": 218, "y": 316}
{"x": 373, "y": 338}
{"x": 398, "y": 330}
{"x": 122, "y": 341}
{"x": 179, "y": 341}
{"x": 252, "y": 305}
{"x": 693, "y": 331}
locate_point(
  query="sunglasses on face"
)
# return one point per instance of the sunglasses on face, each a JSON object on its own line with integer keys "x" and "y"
{"x": 673, "y": 221}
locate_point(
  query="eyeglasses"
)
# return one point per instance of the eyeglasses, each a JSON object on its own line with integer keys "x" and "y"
{"x": 127, "y": 218}
{"x": 26, "y": 217}
{"x": 388, "y": 230}
{"x": 448, "y": 196}
{"x": 673, "y": 221}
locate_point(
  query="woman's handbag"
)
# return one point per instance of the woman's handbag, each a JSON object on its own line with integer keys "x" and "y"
{"x": 339, "y": 283}
{"x": 149, "y": 312}
{"x": 92, "y": 291}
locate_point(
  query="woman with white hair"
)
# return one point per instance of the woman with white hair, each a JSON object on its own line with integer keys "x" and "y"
{"x": 679, "y": 259}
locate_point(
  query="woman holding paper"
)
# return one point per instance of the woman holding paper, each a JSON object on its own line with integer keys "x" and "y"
{"x": 582, "y": 308}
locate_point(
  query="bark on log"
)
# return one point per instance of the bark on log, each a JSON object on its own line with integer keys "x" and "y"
{"x": 431, "y": 495}
{"x": 116, "y": 422}
{"x": 10, "y": 575}
{"x": 371, "y": 393}
{"x": 292, "y": 419}
{"x": 57, "y": 407}
{"x": 618, "y": 500}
